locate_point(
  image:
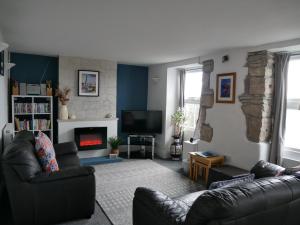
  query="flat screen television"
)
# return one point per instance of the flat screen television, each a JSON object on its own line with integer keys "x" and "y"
{"x": 141, "y": 122}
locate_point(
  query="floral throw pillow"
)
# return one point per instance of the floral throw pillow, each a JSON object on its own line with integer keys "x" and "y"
{"x": 46, "y": 153}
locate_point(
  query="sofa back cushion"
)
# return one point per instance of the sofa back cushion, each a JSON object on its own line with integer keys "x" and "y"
{"x": 250, "y": 198}
{"x": 20, "y": 157}
{"x": 265, "y": 169}
{"x": 45, "y": 152}
{"x": 25, "y": 135}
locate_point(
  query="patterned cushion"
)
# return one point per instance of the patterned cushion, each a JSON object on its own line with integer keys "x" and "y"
{"x": 233, "y": 182}
{"x": 292, "y": 170}
{"x": 46, "y": 153}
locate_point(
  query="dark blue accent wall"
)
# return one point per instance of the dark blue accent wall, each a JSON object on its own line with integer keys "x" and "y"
{"x": 30, "y": 68}
{"x": 132, "y": 90}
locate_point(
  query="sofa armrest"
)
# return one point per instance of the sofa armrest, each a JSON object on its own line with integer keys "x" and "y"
{"x": 153, "y": 207}
{"x": 65, "y": 148}
{"x": 63, "y": 174}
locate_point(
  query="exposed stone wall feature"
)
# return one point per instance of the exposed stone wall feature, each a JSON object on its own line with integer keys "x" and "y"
{"x": 258, "y": 96}
{"x": 206, "y": 132}
{"x": 207, "y": 101}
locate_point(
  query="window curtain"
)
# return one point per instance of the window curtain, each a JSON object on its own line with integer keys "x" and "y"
{"x": 279, "y": 106}
{"x": 181, "y": 87}
{"x": 181, "y": 95}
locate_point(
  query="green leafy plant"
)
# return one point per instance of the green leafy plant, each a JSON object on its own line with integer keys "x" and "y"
{"x": 178, "y": 119}
{"x": 114, "y": 142}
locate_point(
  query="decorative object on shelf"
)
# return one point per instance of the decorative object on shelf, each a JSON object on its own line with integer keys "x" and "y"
{"x": 23, "y": 89}
{"x": 48, "y": 88}
{"x": 2, "y": 63}
{"x": 43, "y": 90}
{"x": 88, "y": 83}
{"x": 63, "y": 97}
{"x": 178, "y": 119}
{"x": 72, "y": 116}
{"x": 108, "y": 115}
{"x": 114, "y": 144}
{"x": 33, "y": 89}
{"x": 226, "y": 88}
{"x": 15, "y": 88}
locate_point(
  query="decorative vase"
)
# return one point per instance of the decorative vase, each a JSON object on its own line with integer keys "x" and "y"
{"x": 115, "y": 151}
{"x": 176, "y": 149}
{"x": 63, "y": 112}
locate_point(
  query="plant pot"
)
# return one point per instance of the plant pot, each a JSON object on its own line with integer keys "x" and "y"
{"x": 63, "y": 112}
{"x": 176, "y": 149}
{"x": 115, "y": 151}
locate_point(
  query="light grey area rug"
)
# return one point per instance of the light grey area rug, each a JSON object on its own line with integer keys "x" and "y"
{"x": 98, "y": 218}
{"x": 116, "y": 184}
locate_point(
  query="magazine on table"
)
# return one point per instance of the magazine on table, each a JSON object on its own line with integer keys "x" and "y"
{"x": 207, "y": 154}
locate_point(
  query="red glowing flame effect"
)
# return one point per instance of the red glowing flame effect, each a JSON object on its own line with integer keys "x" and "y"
{"x": 90, "y": 142}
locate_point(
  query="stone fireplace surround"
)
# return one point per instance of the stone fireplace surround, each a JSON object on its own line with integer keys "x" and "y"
{"x": 66, "y": 133}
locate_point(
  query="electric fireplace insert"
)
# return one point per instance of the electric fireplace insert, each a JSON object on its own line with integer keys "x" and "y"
{"x": 91, "y": 138}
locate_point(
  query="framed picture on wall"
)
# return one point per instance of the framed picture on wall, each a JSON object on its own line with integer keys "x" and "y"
{"x": 88, "y": 83}
{"x": 2, "y": 63}
{"x": 226, "y": 88}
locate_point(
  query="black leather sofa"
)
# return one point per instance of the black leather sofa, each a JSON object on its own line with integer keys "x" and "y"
{"x": 266, "y": 201}
{"x": 38, "y": 198}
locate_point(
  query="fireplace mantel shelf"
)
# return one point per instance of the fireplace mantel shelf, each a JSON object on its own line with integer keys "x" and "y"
{"x": 86, "y": 120}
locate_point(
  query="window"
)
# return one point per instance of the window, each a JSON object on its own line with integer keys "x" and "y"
{"x": 292, "y": 138}
{"x": 192, "y": 93}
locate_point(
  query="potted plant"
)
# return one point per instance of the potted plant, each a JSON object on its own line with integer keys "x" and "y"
{"x": 178, "y": 119}
{"x": 63, "y": 97}
{"x": 114, "y": 144}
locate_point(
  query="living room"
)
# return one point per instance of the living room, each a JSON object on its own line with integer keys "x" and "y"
{"x": 149, "y": 112}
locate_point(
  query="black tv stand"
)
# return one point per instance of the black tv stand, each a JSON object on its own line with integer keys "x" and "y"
{"x": 143, "y": 146}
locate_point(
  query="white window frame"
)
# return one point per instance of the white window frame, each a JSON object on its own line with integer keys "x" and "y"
{"x": 290, "y": 152}
{"x": 193, "y": 100}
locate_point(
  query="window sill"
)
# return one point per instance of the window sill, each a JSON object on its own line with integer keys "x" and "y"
{"x": 291, "y": 154}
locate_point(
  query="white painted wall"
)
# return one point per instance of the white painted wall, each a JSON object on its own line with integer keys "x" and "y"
{"x": 227, "y": 120}
{"x": 163, "y": 95}
{"x": 3, "y": 99}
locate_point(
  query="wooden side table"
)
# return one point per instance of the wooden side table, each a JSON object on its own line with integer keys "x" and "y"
{"x": 198, "y": 162}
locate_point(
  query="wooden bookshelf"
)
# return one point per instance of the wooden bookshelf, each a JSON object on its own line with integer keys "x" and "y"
{"x": 32, "y": 113}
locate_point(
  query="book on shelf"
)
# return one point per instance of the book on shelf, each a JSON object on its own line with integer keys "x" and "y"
{"x": 37, "y": 124}
{"x": 32, "y": 107}
{"x": 42, "y": 124}
{"x": 23, "y": 124}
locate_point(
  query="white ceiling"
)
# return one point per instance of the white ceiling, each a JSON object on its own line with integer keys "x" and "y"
{"x": 145, "y": 31}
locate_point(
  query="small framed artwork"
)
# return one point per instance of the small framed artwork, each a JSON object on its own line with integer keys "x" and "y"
{"x": 226, "y": 88}
{"x": 2, "y": 63}
{"x": 88, "y": 83}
